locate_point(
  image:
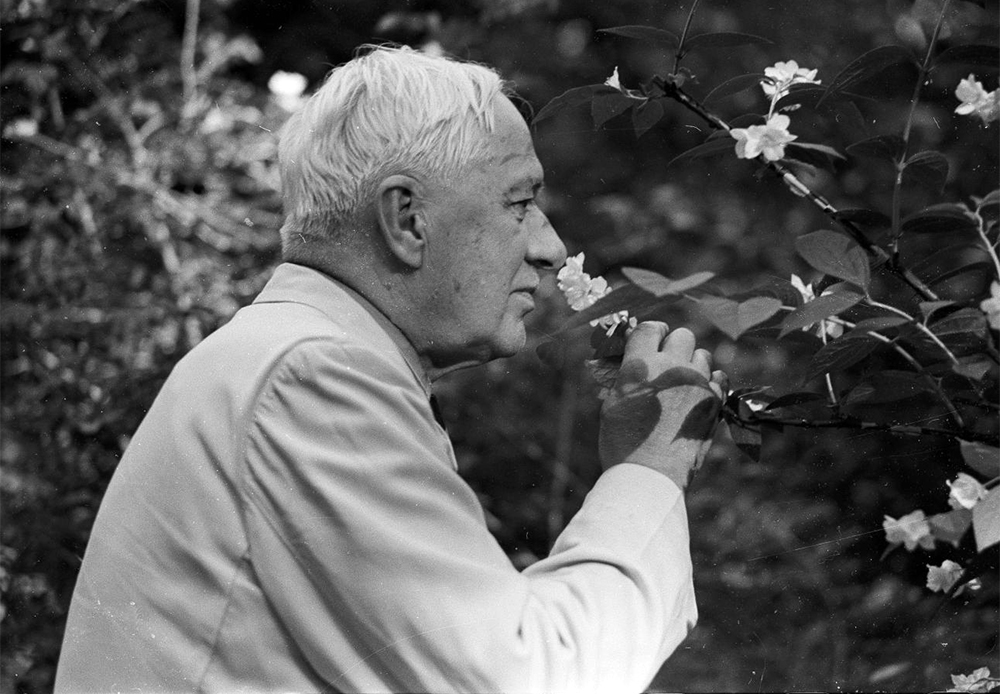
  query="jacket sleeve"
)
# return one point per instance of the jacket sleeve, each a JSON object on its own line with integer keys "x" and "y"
{"x": 377, "y": 560}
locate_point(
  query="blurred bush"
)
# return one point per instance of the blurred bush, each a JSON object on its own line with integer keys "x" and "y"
{"x": 139, "y": 212}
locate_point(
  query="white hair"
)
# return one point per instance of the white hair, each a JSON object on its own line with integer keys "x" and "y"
{"x": 388, "y": 111}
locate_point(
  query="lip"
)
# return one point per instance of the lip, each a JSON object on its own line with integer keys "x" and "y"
{"x": 527, "y": 293}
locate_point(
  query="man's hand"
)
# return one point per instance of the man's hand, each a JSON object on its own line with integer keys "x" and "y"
{"x": 664, "y": 406}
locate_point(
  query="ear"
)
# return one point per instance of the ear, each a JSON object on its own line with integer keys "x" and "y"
{"x": 401, "y": 219}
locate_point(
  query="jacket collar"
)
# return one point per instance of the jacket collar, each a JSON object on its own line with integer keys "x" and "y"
{"x": 341, "y": 304}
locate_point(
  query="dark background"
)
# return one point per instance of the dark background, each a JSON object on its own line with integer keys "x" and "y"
{"x": 139, "y": 213}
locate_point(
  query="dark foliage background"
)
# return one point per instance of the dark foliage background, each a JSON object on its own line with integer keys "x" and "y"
{"x": 139, "y": 211}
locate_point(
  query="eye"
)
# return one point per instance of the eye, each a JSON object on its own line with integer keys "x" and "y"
{"x": 521, "y": 207}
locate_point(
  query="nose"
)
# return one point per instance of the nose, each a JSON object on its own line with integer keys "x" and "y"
{"x": 545, "y": 249}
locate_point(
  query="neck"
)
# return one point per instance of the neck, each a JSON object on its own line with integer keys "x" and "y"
{"x": 393, "y": 294}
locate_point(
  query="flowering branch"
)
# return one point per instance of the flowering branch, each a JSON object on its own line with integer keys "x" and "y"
{"x": 673, "y": 91}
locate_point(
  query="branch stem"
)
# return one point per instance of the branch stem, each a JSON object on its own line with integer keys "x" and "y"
{"x": 847, "y": 423}
{"x": 988, "y": 246}
{"x": 917, "y": 324}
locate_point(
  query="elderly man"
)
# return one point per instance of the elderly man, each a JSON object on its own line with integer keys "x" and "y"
{"x": 288, "y": 517}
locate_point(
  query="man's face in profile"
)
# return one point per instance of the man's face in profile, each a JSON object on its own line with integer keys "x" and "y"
{"x": 488, "y": 238}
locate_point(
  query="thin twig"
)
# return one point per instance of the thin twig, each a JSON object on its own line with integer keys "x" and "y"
{"x": 757, "y": 419}
{"x": 684, "y": 34}
{"x": 907, "y": 129}
{"x": 989, "y": 246}
{"x": 924, "y": 68}
{"x": 917, "y": 324}
{"x": 959, "y": 421}
{"x": 189, "y": 76}
{"x": 829, "y": 379}
{"x": 884, "y": 339}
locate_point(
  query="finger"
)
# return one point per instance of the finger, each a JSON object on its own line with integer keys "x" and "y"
{"x": 680, "y": 344}
{"x": 719, "y": 383}
{"x": 702, "y": 360}
{"x": 721, "y": 379}
{"x": 645, "y": 339}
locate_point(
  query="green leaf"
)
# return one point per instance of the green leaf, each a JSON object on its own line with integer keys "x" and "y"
{"x": 982, "y": 267}
{"x": 780, "y": 289}
{"x": 927, "y": 168}
{"x": 814, "y": 154}
{"x": 978, "y": 55}
{"x": 867, "y": 66}
{"x": 964, "y": 322}
{"x": 888, "y": 147}
{"x": 888, "y": 386}
{"x": 878, "y": 323}
{"x": 708, "y": 148}
{"x": 735, "y": 318}
{"x": 814, "y": 96}
{"x": 816, "y": 310}
{"x": 628, "y": 297}
{"x": 747, "y": 440}
{"x": 839, "y": 355}
{"x": 989, "y": 207}
{"x": 986, "y": 520}
{"x": 982, "y": 458}
{"x": 951, "y": 526}
{"x": 722, "y": 39}
{"x": 608, "y": 346}
{"x": 793, "y": 399}
{"x": 836, "y": 255}
{"x": 572, "y": 97}
{"x": 927, "y": 308}
{"x": 866, "y": 219}
{"x": 658, "y": 285}
{"x": 604, "y": 371}
{"x": 946, "y": 217}
{"x": 661, "y": 37}
{"x": 604, "y": 107}
{"x": 645, "y": 116}
{"x": 734, "y": 85}
{"x": 974, "y": 366}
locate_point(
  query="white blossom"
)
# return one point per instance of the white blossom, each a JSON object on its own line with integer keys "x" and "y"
{"x": 965, "y": 491}
{"x": 768, "y": 139}
{"x": 613, "y": 80}
{"x": 976, "y": 681}
{"x": 942, "y": 578}
{"x": 976, "y": 101}
{"x": 911, "y": 530}
{"x": 826, "y": 327}
{"x": 991, "y": 306}
{"x": 287, "y": 88}
{"x": 582, "y": 291}
{"x": 783, "y": 75}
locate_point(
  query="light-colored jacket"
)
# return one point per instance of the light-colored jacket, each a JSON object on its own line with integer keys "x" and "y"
{"x": 288, "y": 517}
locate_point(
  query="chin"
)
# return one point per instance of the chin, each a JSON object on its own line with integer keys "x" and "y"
{"x": 510, "y": 341}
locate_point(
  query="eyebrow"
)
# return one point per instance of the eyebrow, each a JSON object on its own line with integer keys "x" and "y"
{"x": 532, "y": 183}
